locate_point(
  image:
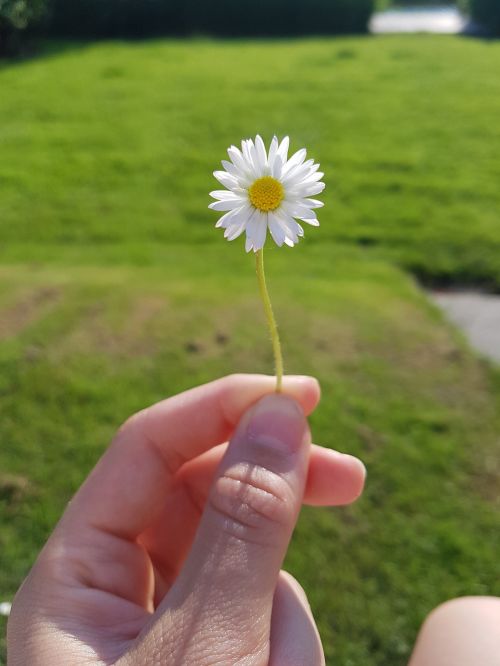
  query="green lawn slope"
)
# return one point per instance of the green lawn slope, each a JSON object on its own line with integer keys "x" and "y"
{"x": 116, "y": 291}
{"x": 115, "y": 143}
{"x": 83, "y": 347}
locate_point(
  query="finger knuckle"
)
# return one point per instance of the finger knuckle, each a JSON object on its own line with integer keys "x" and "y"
{"x": 252, "y": 501}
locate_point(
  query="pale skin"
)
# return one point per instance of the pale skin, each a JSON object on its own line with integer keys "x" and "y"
{"x": 171, "y": 551}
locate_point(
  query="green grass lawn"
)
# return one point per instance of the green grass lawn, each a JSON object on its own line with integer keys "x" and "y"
{"x": 116, "y": 143}
{"x": 116, "y": 291}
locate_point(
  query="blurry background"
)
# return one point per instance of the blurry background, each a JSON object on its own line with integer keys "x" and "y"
{"x": 116, "y": 290}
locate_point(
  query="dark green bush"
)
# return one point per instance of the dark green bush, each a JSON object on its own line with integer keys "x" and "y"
{"x": 116, "y": 18}
{"x": 487, "y": 14}
{"x": 19, "y": 19}
{"x": 142, "y": 18}
{"x": 279, "y": 17}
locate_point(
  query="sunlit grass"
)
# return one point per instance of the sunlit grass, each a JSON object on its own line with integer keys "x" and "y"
{"x": 115, "y": 143}
{"x": 116, "y": 291}
{"x": 81, "y": 348}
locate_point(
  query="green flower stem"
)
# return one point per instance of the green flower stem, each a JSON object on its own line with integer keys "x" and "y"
{"x": 271, "y": 321}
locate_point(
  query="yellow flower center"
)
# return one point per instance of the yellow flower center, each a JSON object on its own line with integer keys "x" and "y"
{"x": 266, "y": 193}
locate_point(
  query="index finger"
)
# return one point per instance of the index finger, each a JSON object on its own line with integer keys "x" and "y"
{"x": 128, "y": 487}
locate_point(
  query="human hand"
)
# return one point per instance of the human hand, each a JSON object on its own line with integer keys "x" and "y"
{"x": 170, "y": 552}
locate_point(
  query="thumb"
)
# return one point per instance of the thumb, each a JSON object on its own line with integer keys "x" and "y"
{"x": 229, "y": 578}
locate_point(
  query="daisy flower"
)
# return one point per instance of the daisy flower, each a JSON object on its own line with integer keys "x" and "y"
{"x": 267, "y": 191}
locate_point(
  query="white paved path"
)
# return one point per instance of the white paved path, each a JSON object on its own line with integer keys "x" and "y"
{"x": 446, "y": 19}
{"x": 478, "y": 315}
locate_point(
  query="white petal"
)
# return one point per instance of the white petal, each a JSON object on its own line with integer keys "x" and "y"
{"x": 237, "y": 159}
{"x": 298, "y": 210}
{"x": 234, "y": 231}
{"x": 260, "y": 232}
{"x": 313, "y": 178}
{"x": 231, "y": 169}
{"x": 283, "y": 149}
{"x": 277, "y": 166}
{"x": 251, "y": 229}
{"x": 272, "y": 153}
{"x": 313, "y": 203}
{"x": 300, "y": 230}
{"x": 226, "y": 179}
{"x": 227, "y": 218}
{"x": 306, "y": 191}
{"x": 295, "y": 160}
{"x": 226, "y": 195}
{"x": 304, "y": 213}
{"x": 246, "y": 149}
{"x": 258, "y": 170}
{"x": 296, "y": 176}
{"x": 250, "y": 155}
{"x": 309, "y": 217}
{"x": 257, "y": 230}
{"x": 310, "y": 167}
{"x": 226, "y": 204}
{"x": 243, "y": 178}
{"x": 292, "y": 228}
{"x": 291, "y": 232}
{"x": 277, "y": 230}
{"x": 235, "y": 216}
{"x": 260, "y": 149}
{"x": 315, "y": 188}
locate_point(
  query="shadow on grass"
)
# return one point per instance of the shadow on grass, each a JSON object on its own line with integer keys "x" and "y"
{"x": 39, "y": 50}
{"x": 50, "y": 47}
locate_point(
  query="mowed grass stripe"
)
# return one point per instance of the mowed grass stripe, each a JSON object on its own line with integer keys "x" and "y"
{"x": 116, "y": 142}
{"x": 400, "y": 389}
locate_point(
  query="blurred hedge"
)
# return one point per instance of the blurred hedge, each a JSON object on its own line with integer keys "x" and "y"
{"x": 487, "y": 14}
{"x": 143, "y": 18}
{"x": 19, "y": 19}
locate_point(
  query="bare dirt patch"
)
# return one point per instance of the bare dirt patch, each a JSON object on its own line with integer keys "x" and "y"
{"x": 26, "y": 311}
{"x": 132, "y": 334}
{"x": 13, "y": 488}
